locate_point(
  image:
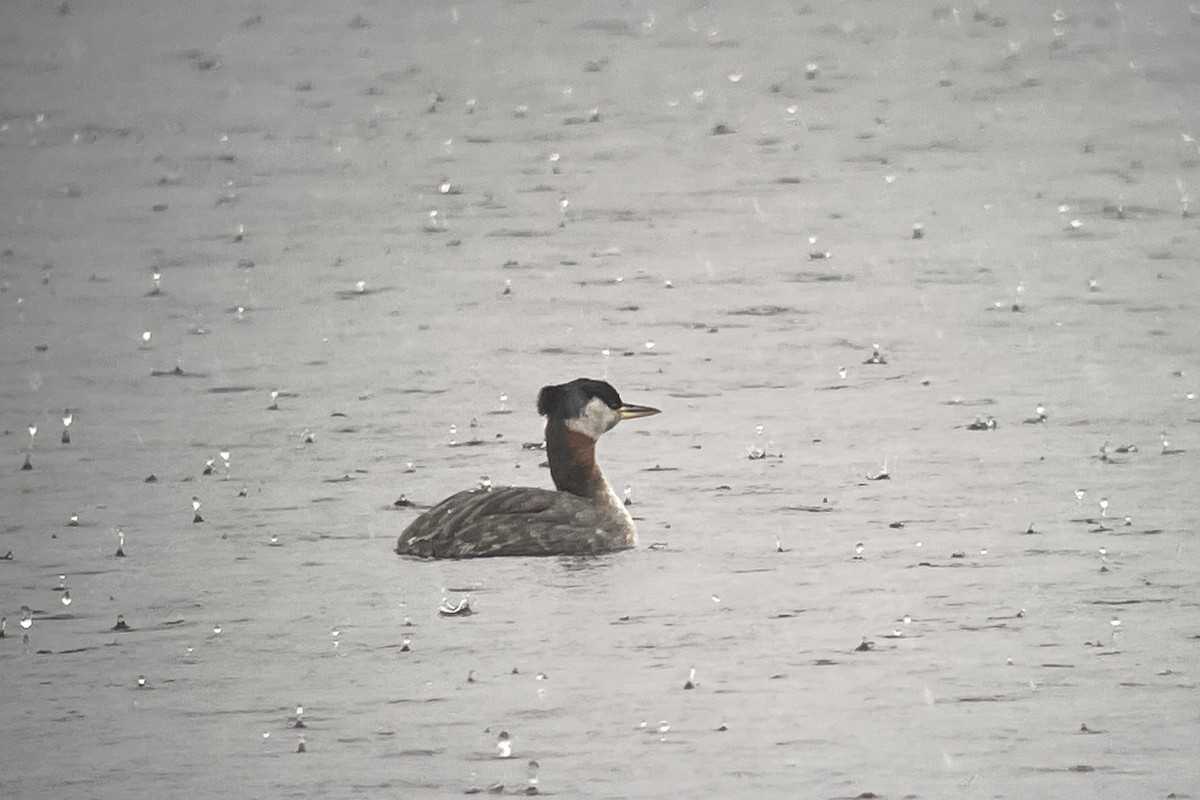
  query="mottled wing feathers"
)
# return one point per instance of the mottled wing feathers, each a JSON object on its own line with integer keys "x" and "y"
{"x": 514, "y": 521}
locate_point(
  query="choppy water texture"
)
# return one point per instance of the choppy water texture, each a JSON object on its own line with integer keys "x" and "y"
{"x": 712, "y": 207}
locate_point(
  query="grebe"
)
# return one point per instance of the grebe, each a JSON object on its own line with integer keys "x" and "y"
{"x": 583, "y": 517}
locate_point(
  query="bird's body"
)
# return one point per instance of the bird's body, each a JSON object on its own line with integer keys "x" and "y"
{"x": 518, "y": 521}
{"x": 583, "y": 516}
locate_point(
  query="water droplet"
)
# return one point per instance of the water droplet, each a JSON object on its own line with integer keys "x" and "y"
{"x": 758, "y": 449}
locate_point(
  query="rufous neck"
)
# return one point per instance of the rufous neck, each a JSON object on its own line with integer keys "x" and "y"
{"x": 572, "y": 457}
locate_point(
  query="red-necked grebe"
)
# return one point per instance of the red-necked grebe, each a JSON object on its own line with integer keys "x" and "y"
{"x": 583, "y": 517}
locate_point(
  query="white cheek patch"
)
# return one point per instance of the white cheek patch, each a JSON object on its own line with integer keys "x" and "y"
{"x": 597, "y": 419}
